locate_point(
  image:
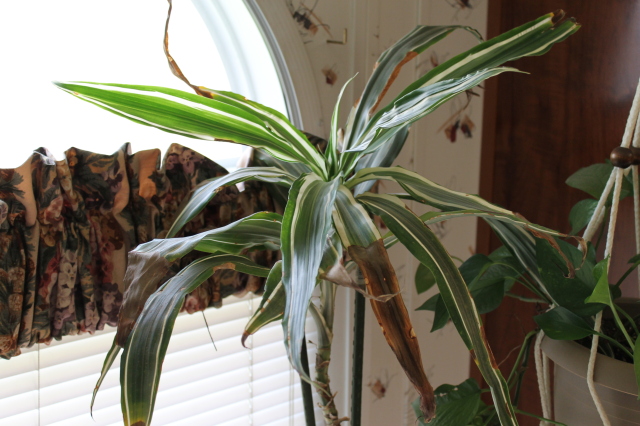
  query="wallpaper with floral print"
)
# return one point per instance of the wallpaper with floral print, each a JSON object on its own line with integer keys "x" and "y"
{"x": 66, "y": 227}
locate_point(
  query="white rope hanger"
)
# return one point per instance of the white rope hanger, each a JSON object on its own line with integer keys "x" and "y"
{"x": 622, "y": 158}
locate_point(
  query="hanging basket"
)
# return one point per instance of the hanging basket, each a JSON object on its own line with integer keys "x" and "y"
{"x": 614, "y": 382}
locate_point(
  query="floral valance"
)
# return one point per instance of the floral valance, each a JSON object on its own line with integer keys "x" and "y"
{"x": 66, "y": 227}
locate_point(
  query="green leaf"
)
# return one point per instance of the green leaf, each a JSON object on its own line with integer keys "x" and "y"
{"x": 440, "y": 315}
{"x": 305, "y": 227}
{"x": 569, "y": 293}
{"x": 474, "y": 266}
{"x": 602, "y": 294}
{"x": 561, "y": 324}
{"x": 149, "y": 263}
{"x": 331, "y": 153}
{"x": 593, "y": 179}
{"x": 411, "y": 107}
{"x": 271, "y": 306}
{"x": 144, "y": 352}
{"x": 360, "y": 236}
{"x": 208, "y": 189}
{"x": 531, "y": 39}
{"x": 581, "y": 214}
{"x": 108, "y": 362}
{"x": 381, "y": 157}
{"x": 352, "y": 221}
{"x": 260, "y": 231}
{"x": 430, "y": 304}
{"x": 487, "y": 281}
{"x": 424, "y": 279}
{"x": 226, "y": 116}
{"x": 426, "y": 247}
{"x": 428, "y": 192}
{"x": 456, "y": 405}
{"x": 388, "y": 66}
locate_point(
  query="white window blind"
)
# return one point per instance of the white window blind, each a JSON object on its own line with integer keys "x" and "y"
{"x": 233, "y": 385}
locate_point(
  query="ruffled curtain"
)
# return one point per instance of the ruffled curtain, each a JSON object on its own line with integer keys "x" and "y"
{"x": 66, "y": 227}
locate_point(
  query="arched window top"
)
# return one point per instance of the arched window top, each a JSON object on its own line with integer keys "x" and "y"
{"x": 217, "y": 44}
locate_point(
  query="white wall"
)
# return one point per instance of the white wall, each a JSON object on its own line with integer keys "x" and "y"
{"x": 372, "y": 26}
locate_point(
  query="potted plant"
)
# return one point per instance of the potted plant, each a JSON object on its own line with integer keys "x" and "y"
{"x": 581, "y": 311}
{"x": 327, "y": 218}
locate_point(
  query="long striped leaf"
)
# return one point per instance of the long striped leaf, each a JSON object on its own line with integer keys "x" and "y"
{"x": 305, "y": 226}
{"x": 426, "y": 191}
{"x": 415, "y": 105}
{"x": 208, "y": 189}
{"x": 381, "y": 157}
{"x": 531, "y": 39}
{"x": 150, "y": 263}
{"x": 225, "y": 116}
{"x": 271, "y": 306}
{"x": 331, "y": 153}
{"x": 364, "y": 244}
{"x": 259, "y": 231}
{"x": 388, "y": 67}
{"x": 144, "y": 352}
{"x": 517, "y": 238}
{"x": 534, "y": 38}
{"x": 430, "y": 218}
{"x": 108, "y": 362}
{"x": 426, "y": 247}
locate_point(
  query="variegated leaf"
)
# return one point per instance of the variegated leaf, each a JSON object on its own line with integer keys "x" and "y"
{"x": 144, "y": 352}
{"x": 361, "y": 238}
{"x": 534, "y": 38}
{"x": 426, "y": 247}
{"x": 149, "y": 263}
{"x": 381, "y": 157}
{"x": 331, "y": 152}
{"x": 305, "y": 226}
{"x": 271, "y": 306}
{"x": 388, "y": 67}
{"x": 224, "y": 116}
{"x": 208, "y": 189}
{"x": 413, "y": 106}
{"x": 430, "y": 218}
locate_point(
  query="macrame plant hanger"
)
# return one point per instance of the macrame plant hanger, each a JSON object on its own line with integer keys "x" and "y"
{"x": 624, "y": 158}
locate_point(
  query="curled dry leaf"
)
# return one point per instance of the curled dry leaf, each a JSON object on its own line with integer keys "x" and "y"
{"x": 393, "y": 318}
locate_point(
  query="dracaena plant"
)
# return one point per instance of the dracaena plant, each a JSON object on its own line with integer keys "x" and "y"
{"x": 327, "y": 217}
{"x": 570, "y": 297}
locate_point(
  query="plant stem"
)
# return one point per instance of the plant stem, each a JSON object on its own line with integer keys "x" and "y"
{"x": 616, "y": 343}
{"x": 539, "y": 418}
{"x": 525, "y": 299}
{"x": 324, "y": 324}
{"x": 307, "y": 396}
{"x": 523, "y": 349}
{"x": 358, "y": 349}
{"x": 629, "y": 318}
{"x": 626, "y": 274}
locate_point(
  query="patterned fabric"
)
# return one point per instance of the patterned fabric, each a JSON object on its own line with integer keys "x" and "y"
{"x": 66, "y": 227}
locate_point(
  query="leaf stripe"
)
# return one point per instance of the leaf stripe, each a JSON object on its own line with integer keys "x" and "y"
{"x": 425, "y": 246}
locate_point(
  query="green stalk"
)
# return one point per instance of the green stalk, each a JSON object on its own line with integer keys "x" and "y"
{"x": 616, "y": 343}
{"x": 307, "y": 397}
{"x": 324, "y": 324}
{"x": 539, "y": 418}
{"x": 358, "y": 349}
{"x": 629, "y": 318}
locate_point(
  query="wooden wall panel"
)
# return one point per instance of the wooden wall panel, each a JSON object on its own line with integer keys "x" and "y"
{"x": 540, "y": 128}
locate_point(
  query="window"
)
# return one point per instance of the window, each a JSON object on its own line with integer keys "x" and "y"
{"x": 120, "y": 41}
